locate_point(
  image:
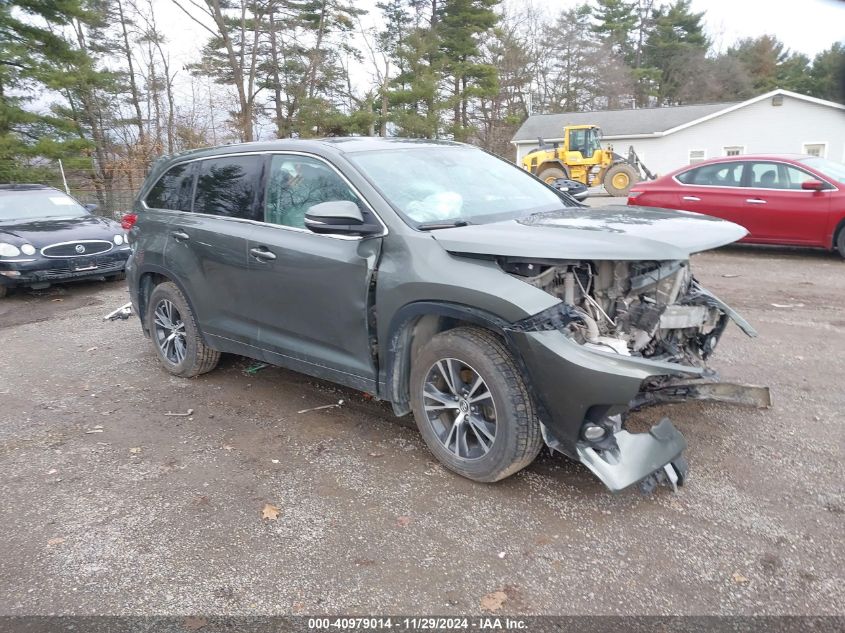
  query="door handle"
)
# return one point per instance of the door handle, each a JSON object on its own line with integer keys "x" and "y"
{"x": 691, "y": 198}
{"x": 755, "y": 201}
{"x": 180, "y": 236}
{"x": 263, "y": 254}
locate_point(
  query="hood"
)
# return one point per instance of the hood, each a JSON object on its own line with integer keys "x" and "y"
{"x": 616, "y": 232}
{"x": 44, "y": 231}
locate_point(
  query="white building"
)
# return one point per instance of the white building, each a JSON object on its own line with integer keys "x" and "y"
{"x": 778, "y": 122}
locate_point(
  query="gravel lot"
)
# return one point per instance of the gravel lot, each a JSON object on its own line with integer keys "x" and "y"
{"x": 111, "y": 506}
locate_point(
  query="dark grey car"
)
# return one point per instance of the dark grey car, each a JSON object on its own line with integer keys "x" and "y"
{"x": 442, "y": 279}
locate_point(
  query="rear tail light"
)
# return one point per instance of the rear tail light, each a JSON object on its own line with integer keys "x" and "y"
{"x": 634, "y": 194}
{"x": 128, "y": 221}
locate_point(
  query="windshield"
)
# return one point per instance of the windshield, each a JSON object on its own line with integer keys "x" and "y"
{"x": 829, "y": 168}
{"x": 38, "y": 203}
{"x": 585, "y": 140}
{"x": 455, "y": 184}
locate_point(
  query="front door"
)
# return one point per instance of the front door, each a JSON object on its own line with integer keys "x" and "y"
{"x": 783, "y": 212}
{"x": 310, "y": 293}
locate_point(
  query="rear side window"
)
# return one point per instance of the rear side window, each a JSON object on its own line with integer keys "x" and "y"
{"x": 173, "y": 189}
{"x": 230, "y": 187}
{"x": 715, "y": 175}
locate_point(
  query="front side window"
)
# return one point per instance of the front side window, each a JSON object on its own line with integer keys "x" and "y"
{"x": 714, "y": 175}
{"x": 767, "y": 176}
{"x": 778, "y": 176}
{"x": 296, "y": 183}
{"x": 230, "y": 186}
{"x": 796, "y": 177}
{"x": 435, "y": 184}
{"x": 173, "y": 190}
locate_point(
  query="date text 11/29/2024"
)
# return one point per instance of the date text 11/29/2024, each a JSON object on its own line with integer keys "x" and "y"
{"x": 483, "y": 623}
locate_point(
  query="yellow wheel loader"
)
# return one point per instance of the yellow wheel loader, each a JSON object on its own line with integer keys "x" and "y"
{"x": 581, "y": 157}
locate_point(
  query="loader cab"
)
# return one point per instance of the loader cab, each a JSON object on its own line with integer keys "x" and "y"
{"x": 584, "y": 139}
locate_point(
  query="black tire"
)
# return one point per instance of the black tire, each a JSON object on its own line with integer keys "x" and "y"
{"x": 3, "y": 290}
{"x": 840, "y": 242}
{"x": 517, "y": 439}
{"x": 619, "y": 179}
{"x": 550, "y": 174}
{"x": 197, "y": 358}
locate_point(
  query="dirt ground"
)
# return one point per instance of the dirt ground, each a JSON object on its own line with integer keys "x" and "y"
{"x": 112, "y": 506}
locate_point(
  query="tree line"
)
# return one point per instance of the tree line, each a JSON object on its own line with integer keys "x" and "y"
{"x": 93, "y": 82}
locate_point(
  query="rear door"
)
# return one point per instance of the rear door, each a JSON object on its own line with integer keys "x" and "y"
{"x": 207, "y": 247}
{"x": 170, "y": 196}
{"x": 783, "y": 212}
{"x": 310, "y": 293}
{"x": 714, "y": 189}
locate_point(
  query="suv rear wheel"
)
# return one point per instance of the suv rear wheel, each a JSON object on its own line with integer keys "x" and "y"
{"x": 174, "y": 332}
{"x": 472, "y": 407}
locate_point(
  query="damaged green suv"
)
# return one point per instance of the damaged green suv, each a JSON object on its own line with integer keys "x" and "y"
{"x": 500, "y": 312}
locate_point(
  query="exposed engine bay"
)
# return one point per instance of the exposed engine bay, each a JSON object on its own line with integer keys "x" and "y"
{"x": 651, "y": 310}
{"x": 654, "y": 310}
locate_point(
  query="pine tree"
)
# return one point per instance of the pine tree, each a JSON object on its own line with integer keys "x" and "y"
{"x": 460, "y": 25}
{"x": 615, "y": 24}
{"x": 771, "y": 65}
{"x": 570, "y": 68}
{"x": 761, "y": 56}
{"x": 414, "y": 92}
{"x": 828, "y": 74}
{"x": 29, "y": 54}
{"x": 676, "y": 48}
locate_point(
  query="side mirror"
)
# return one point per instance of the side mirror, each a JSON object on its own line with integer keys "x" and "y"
{"x": 338, "y": 217}
{"x": 813, "y": 185}
{"x": 92, "y": 207}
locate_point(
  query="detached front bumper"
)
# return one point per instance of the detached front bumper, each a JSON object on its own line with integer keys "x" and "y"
{"x": 43, "y": 271}
{"x": 639, "y": 457}
{"x": 574, "y": 385}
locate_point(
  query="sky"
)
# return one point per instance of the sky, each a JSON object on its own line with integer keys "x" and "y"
{"x": 807, "y": 26}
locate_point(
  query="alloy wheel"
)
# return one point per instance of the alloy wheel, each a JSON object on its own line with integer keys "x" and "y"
{"x": 170, "y": 332}
{"x": 460, "y": 408}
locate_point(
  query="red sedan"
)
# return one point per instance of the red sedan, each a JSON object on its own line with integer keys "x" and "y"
{"x": 796, "y": 200}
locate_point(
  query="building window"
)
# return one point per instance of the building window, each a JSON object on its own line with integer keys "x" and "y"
{"x": 815, "y": 149}
{"x": 696, "y": 156}
{"x": 734, "y": 150}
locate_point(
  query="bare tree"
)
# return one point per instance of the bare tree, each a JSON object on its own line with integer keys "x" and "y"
{"x": 238, "y": 37}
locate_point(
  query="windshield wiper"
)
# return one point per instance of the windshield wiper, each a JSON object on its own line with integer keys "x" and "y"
{"x": 442, "y": 224}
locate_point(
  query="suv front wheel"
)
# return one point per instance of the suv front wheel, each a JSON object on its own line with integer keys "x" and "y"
{"x": 472, "y": 406}
{"x": 175, "y": 335}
